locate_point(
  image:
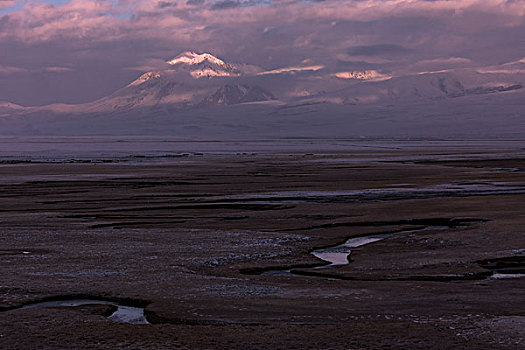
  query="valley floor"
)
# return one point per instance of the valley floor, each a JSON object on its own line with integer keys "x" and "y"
{"x": 199, "y": 240}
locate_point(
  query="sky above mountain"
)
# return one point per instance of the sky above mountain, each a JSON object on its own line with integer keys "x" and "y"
{"x": 77, "y": 51}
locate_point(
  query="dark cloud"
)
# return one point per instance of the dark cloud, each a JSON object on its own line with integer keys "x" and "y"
{"x": 164, "y": 4}
{"x": 345, "y": 65}
{"x": 226, "y": 4}
{"x": 3, "y": 21}
{"x": 377, "y": 50}
{"x": 230, "y": 4}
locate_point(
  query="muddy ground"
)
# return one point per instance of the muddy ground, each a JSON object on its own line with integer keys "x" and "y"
{"x": 197, "y": 241}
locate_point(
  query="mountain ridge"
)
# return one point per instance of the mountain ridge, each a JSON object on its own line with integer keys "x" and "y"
{"x": 194, "y": 80}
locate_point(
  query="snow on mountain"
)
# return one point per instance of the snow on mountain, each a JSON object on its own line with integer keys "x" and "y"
{"x": 204, "y": 65}
{"x": 207, "y": 72}
{"x": 413, "y": 88}
{"x": 369, "y": 75}
{"x": 145, "y": 77}
{"x": 513, "y": 68}
{"x": 174, "y": 89}
{"x": 201, "y": 95}
{"x": 177, "y": 88}
{"x": 151, "y": 90}
{"x": 169, "y": 91}
{"x": 292, "y": 70}
{"x": 193, "y": 58}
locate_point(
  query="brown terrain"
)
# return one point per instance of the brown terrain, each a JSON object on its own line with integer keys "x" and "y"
{"x": 217, "y": 250}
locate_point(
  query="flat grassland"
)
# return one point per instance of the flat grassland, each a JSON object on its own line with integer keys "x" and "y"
{"x": 217, "y": 249}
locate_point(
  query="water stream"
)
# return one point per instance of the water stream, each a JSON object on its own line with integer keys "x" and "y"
{"x": 339, "y": 255}
{"x": 123, "y": 314}
{"x": 500, "y": 276}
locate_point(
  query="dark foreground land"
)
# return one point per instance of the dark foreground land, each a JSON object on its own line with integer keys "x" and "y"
{"x": 204, "y": 244}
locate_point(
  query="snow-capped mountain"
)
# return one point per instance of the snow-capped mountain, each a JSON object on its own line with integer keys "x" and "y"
{"x": 415, "y": 88}
{"x": 204, "y": 65}
{"x": 181, "y": 87}
{"x": 198, "y": 94}
{"x": 149, "y": 90}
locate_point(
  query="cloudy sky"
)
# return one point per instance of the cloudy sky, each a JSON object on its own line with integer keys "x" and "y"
{"x": 79, "y": 50}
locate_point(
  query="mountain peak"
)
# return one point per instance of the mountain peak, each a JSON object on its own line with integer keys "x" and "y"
{"x": 145, "y": 77}
{"x": 204, "y": 65}
{"x": 193, "y": 58}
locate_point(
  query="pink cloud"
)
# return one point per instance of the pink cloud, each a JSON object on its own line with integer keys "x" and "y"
{"x": 107, "y": 20}
{"x": 6, "y": 3}
{"x": 57, "y": 69}
{"x": 7, "y": 70}
{"x": 117, "y": 39}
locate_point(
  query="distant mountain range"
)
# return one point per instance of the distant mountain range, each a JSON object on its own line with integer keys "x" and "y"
{"x": 201, "y": 84}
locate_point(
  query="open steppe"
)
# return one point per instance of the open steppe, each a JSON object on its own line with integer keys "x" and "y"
{"x": 217, "y": 249}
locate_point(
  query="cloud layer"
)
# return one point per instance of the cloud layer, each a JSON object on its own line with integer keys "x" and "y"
{"x": 85, "y": 49}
